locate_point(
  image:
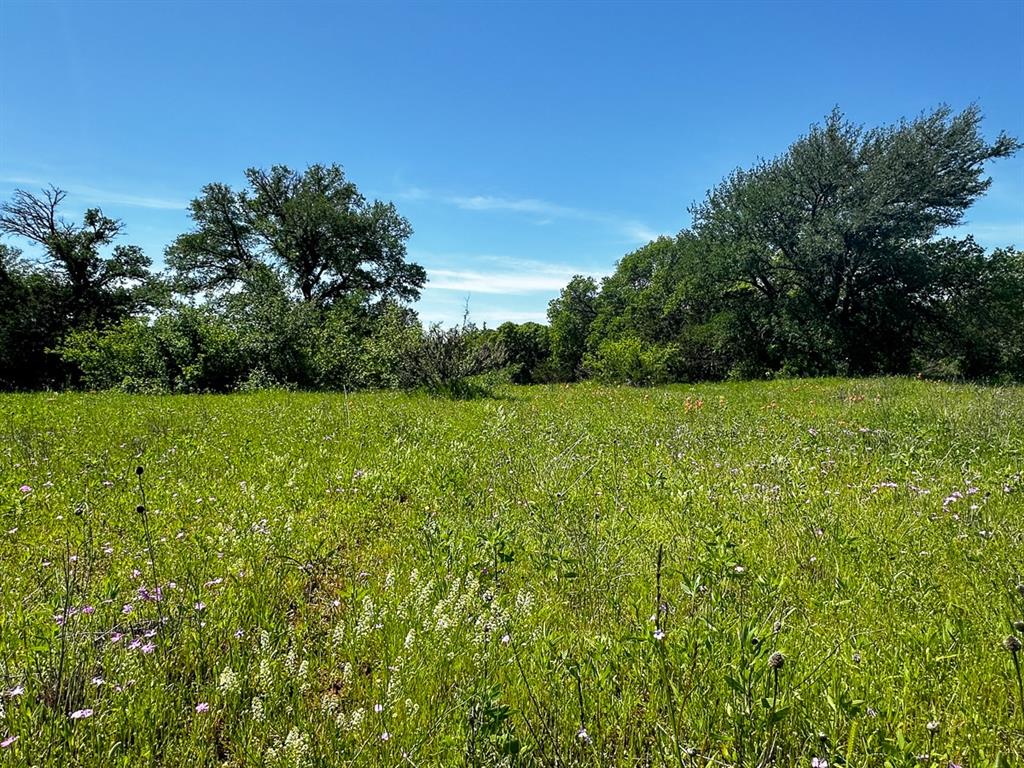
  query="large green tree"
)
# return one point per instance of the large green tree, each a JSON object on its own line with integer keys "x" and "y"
{"x": 97, "y": 288}
{"x": 827, "y": 255}
{"x": 75, "y": 282}
{"x": 314, "y": 228}
{"x": 570, "y": 316}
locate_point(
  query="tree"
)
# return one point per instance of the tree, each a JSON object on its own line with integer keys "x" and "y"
{"x": 99, "y": 290}
{"x": 570, "y": 316}
{"x": 314, "y": 228}
{"x": 826, "y": 252}
{"x": 527, "y": 351}
{"x": 660, "y": 294}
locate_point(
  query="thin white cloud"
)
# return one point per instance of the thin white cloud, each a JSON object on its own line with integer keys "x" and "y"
{"x": 630, "y": 228}
{"x": 484, "y": 273}
{"x": 522, "y": 205}
{"x": 495, "y": 282}
{"x": 103, "y": 196}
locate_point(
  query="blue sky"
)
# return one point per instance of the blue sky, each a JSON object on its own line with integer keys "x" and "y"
{"x": 525, "y": 142}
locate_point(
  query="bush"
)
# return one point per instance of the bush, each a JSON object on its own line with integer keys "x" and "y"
{"x": 125, "y": 356}
{"x": 631, "y": 361}
{"x": 453, "y": 361}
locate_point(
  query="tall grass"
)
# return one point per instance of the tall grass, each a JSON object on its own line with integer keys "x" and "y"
{"x": 753, "y": 574}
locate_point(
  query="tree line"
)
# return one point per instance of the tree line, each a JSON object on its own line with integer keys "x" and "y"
{"x": 835, "y": 258}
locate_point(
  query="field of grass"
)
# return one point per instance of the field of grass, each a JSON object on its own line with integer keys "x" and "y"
{"x": 780, "y": 573}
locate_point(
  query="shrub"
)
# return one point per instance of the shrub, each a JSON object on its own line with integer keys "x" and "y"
{"x": 631, "y": 361}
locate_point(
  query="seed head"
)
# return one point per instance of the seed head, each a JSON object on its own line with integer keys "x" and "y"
{"x": 140, "y": 509}
{"x": 776, "y": 660}
{"x": 1020, "y": 590}
{"x": 1012, "y": 644}
{"x": 139, "y": 470}
{"x": 1018, "y": 626}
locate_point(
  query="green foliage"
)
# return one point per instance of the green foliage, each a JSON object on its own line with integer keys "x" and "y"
{"x": 527, "y": 349}
{"x": 455, "y": 361}
{"x": 188, "y": 350}
{"x": 832, "y": 259}
{"x": 827, "y": 260}
{"x": 570, "y": 316}
{"x": 631, "y": 361}
{"x": 315, "y": 228}
{"x": 74, "y": 286}
{"x": 828, "y": 254}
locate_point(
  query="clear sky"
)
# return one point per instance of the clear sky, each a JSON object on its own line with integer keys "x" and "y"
{"x": 525, "y": 142}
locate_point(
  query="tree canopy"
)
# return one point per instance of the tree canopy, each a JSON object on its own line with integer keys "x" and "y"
{"x": 314, "y": 228}
{"x": 835, "y": 257}
{"x": 838, "y": 257}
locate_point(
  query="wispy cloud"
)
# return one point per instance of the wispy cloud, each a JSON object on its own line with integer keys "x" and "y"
{"x": 521, "y": 205}
{"x": 630, "y": 228}
{"x": 495, "y": 274}
{"x": 92, "y": 194}
{"x": 495, "y": 282}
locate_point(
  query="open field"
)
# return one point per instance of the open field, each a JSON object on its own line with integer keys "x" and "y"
{"x": 388, "y": 579}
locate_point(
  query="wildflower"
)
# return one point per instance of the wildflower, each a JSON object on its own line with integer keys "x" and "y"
{"x": 505, "y": 639}
{"x": 88, "y": 610}
{"x": 148, "y": 648}
{"x": 26, "y": 489}
{"x": 17, "y": 690}
{"x": 200, "y": 606}
{"x": 819, "y": 762}
{"x": 202, "y": 706}
{"x": 856, "y": 657}
{"x": 228, "y": 681}
{"x": 8, "y": 741}
{"x": 385, "y": 736}
{"x": 378, "y": 708}
{"x": 933, "y": 727}
{"x": 81, "y": 714}
{"x": 98, "y": 681}
{"x": 659, "y": 635}
{"x": 582, "y": 736}
{"x": 1012, "y": 644}
{"x": 776, "y": 660}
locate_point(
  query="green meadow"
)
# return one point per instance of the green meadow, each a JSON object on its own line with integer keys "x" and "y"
{"x": 789, "y": 573}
